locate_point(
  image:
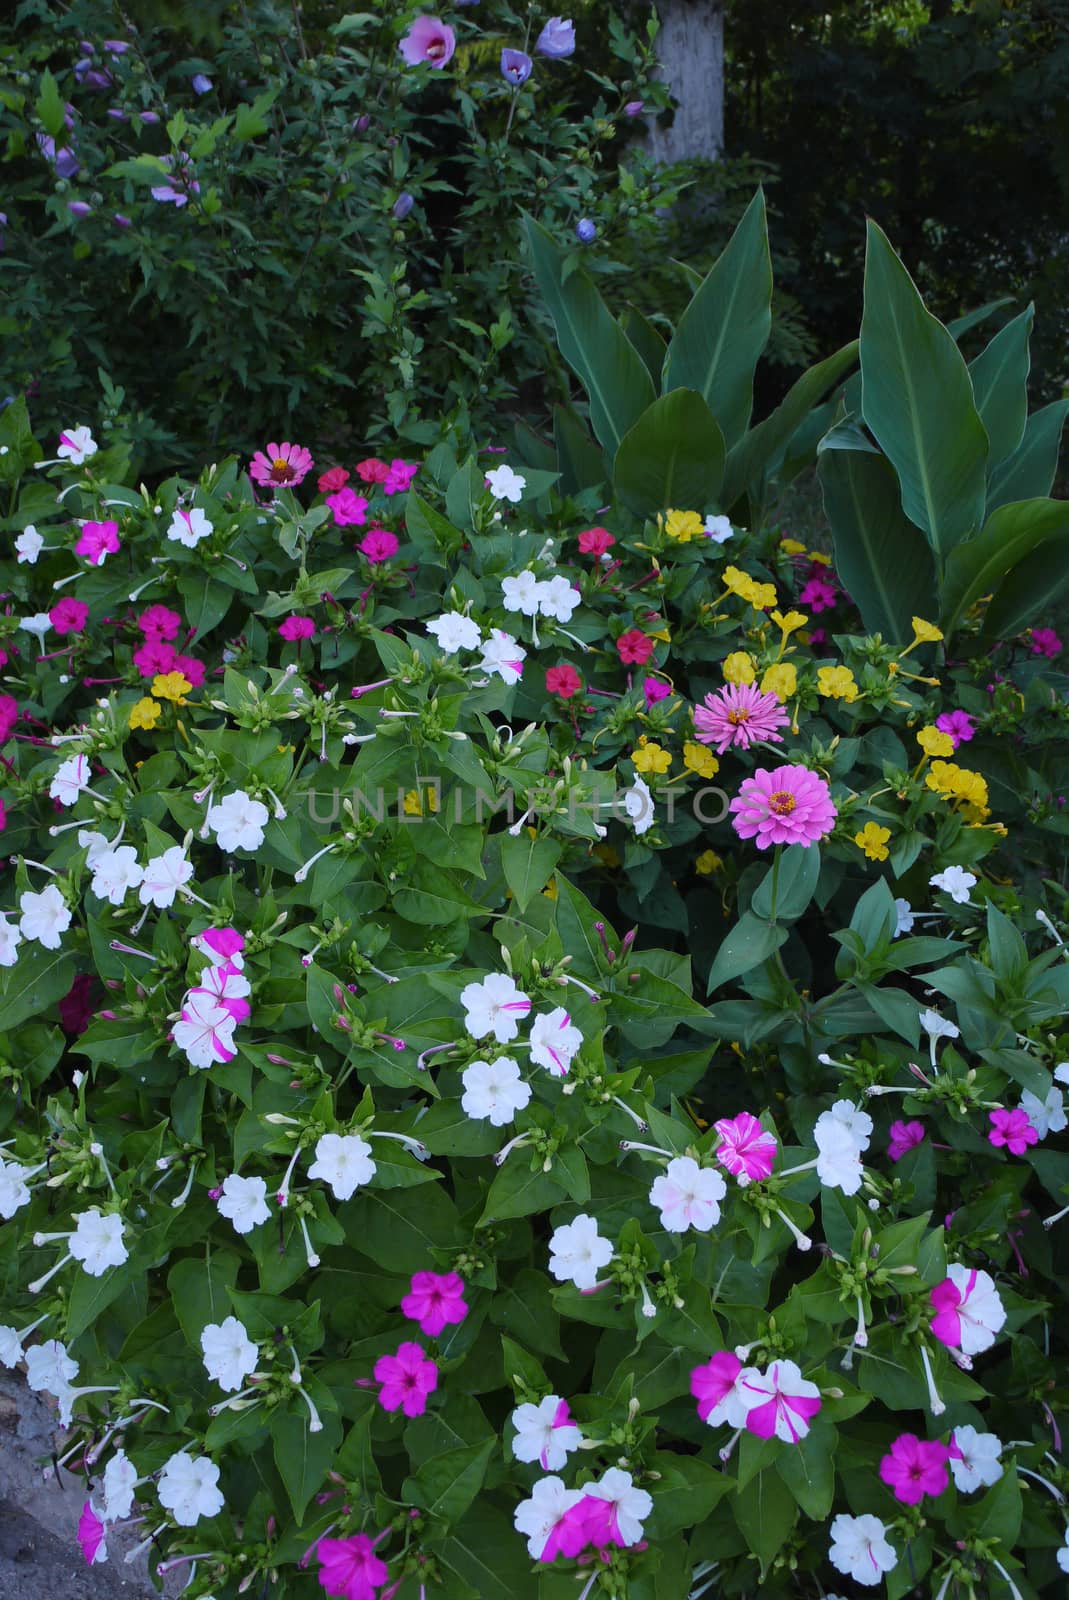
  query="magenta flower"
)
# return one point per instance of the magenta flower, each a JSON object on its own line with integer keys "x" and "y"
{"x": 69, "y": 616}
{"x": 818, "y": 595}
{"x": 655, "y": 690}
{"x": 159, "y": 622}
{"x": 154, "y": 656}
{"x": 788, "y": 806}
{"x": 435, "y": 1300}
{"x": 96, "y": 541}
{"x": 714, "y": 1386}
{"x": 285, "y": 463}
{"x": 91, "y": 1536}
{"x": 958, "y": 724}
{"x": 429, "y": 40}
{"x": 1045, "y": 642}
{"x": 407, "y": 1379}
{"x": 348, "y": 508}
{"x": 915, "y": 1467}
{"x": 399, "y": 476}
{"x": 739, "y": 714}
{"x": 905, "y": 1136}
{"x": 9, "y": 715}
{"x": 968, "y": 1310}
{"x": 379, "y": 544}
{"x": 296, "y": 628}
{"x": 746, "y": 1150}
{"x": 781, "y": 1402}
{"x": 191, "y": 669}
{"x": 349, "y": 1568}
{"x": 1012, "y": 1129}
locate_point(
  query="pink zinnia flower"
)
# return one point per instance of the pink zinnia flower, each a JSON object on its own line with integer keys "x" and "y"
{"x": 96, "y": 541}
{"x": 904, "y": 1137}
{"x": 790, "y": 805}
{"x": 349, "y": 1568}
{"x": 379, "y": 544}
{"x": 563, "y": 681}
{"x": 428, "y": 40}
{"x": 159, "y": 622}
{"x": 191, "y": 669}
{"x": 91, "y": 1536}
{"x": 1045, "y": 642}
{"x": 349, "y": 508}
{"x": 715, "y": 1387}
{"x": 739, "y": 714}
{"x": 372, "y": 471}
{"x": 1012, "y": 1129}
{"x": 915, "y": 1467}
{"x": 746, "y": 1150}
{"x": 435, "y": 1300}
{"x": 655, "y": 690}
{"x": 634, "y": 648}
{"x": 818, "y": 595}
{"x": 69, "y": 616}
{"x": 781, "y": 1402}
{"x": 9, "y": 715}
{"x": 399, "y": 476}
{"x": 968, "y": 1310}
{"x": 296, "y": 628}
{"x": 407, "y": 1379}
{"x": 595, "y": 541}
{"x": 154, "y": 656}
{"x": 283, "y": 464}
{"x": 332, "y": 480}
{"x": 958, "y": 724}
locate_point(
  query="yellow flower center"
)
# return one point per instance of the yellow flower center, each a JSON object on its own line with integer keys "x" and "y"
{"x": 735, "y": 717}
{"x": 782, "y": 802}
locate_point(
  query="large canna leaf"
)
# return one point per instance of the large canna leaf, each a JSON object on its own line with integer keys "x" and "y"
{"x": 917, "y": 400}
{"x": 882, "y": 558}
{"x": 648, "y": 340}
{"x": 723, "y": 331}
{"x": 1011, "y": 535}
{"x": 1034, "y": 586}
{"x": 1000, "y": 383}
{"x": 1032, "y": 468}
{"x": 672, "y": 457}
{"x": 580, "y": 463}
{"x": 591, "y": 342}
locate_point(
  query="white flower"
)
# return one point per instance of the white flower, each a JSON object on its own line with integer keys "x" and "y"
{"x": 557, "y": 599}
{"x": 76, "y": 445}
{"x": 28, "y": 545}
{"x": 859, "y": 1548}
{"x": 494, "y": 1091}
{"x": 49, "y": 1369}
{"x": 545, "y": 1433}
{"x": 343, "y": 1161}
{"x": 904, "y": 918}
{"x": 120, "y": 1481}
{"x": 521, "y": 593}
{"x": 14, "y": 1190}
{"x": 979, "y": 1310}
{"x": 1063, "y": 1553}
{"x": 977, "y": 1465}
{"x": 840, "y": 1139}
{"x": 454, "y": 631}
{"x": 688, "y": 1196}
{"x": 205, "y": 1030}
{"x": 10, "y": 939}
{"x": 577, "y": 1252}
{"x": 638, "y": 805}
{"x": 937, "y": 1027}
{"x": 10, "y": 1346}
{"x": 554, "y": 1041}
{"x": 538, "y": 1516}
{"x": 1047, "y": 1115}
{"x": 72, "y": 776}
{"x": 94, "y": 844}
{"x": 494, "y": 1006}
{"x": 502, "y": 654}
{"x": 189, "y": 528}
{"x": 718, "y": 529}
{"x": 45, "y": 917}
{"x": 189, "y": 1488}
{"x": 39, "y": 624}
{"x": 244, "y": 1202}
{"x": 163, "y": 877}
{"x": 238, "y": 822}
{"x": 115, "y": 873}
{"x": 505, "y": 484}
{"x": 97, "y": 1241}
{"x": 955, "y": 882}
{"x": 229, "y": 1354}
{"x": 632, "y": 1505}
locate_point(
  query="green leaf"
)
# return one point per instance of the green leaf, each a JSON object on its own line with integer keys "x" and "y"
{"x": 207, "y": 602}
{"x": 647, "y": 340}
{"x": 1010, "y": 534}
{"x": 518, "y": 1192}
{"x": 756, "y": 455}
{"x": 808, "y": 1470}
{"x": 1000, "y": 383}
{"x": 917, "y": 399}
{"x": 795, "y": 882}
{"x": 49, "y": 106}
{"x": 528, "y": 865}
{"x": 750, "y": 942}
{"x": 446, "y": 1486}
{"x": 304, "y": 1458}
{"x": 35, "y": 982}
{"x": 766, "y": 1512}
{"x": 485, "y": 1553}
{"x": 581, "y": 463}
{"x": 198, "y": 1290}
{"x": 673, "y": 457}
{"x": 1033, "y": 466}
{"x": 723, "y": 331}
{"x": 251, "y": 121}
{"x": 399, "y": 1229}
{"x": 591, "y": 342}
{"x": 687, "y": 1490}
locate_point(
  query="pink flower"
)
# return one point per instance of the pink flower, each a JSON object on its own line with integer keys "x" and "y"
{"x": 9, "y": 715}
{"x": 191, "y": 669}
{"x": 818, "y": 595}
{"x": 905, "y": 1136}
{"x": 379, "y": 544}
{"x": 348, "y": 507}
{"x": 221, "y": 945}
{"x": 226, "y": 986}
{"x": 399, "y": 476}
{"x": 407, "y": 1379}
{"x": 655, "y": 690}
{"x": 159, "y": 622}
{"x": 968, "y": 1310}
{"x": 154, "y": 656}
{"x": 282, "y": 464}
{"x": 595, "y": 541}
{"x": 790, "y": 805}
{"x": 746, "y": 1150}
{"x": 915, "y": 1467}
{"x": 1045, "y": 642}
{"x": 1012, "y": 1129}
{"x": 69, "y": 616}
{"x": 435, "y": 1300}
{"x": 634, "y": 648}
{"x": 96, "y": 541}
{"x": 563, "y": 681}
{"x": 739, "y": 714}
{"x": 372, "y": 471}
{"x": 332, "y": 480}
{"x": 428, "y": 40}
{"x": 716, "y": 1389}
{"x": 90, "y": 1536}
{"x": 780, "y": 1401}
{"x": 958, "y": 724}
{"x": 297, "y": 628}
{"x": 349, "y": 1568}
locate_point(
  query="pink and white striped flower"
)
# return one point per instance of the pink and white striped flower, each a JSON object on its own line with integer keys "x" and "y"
{"x": 545, "y": 1433}
{"x": 554, "y": 1042}
{"x": 968, "y": 1311}
{"x": 205, "y": 1030}
{"x": 746, "y": 1150}
{"x": 780, "y": 1401}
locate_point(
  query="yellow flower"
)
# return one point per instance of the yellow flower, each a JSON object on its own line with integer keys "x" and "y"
{"x": 738, "y": 582}
{"x": 171, "y": 686}
{"x": 790, "y": 623}
{"x": 934, "y": 742}
{"x": 739, "y": 667}
{"x": 952, "y": 782}
{"x": 762, "y": 596}
{"x": 873, "y": 840}
{"x": 550, "y": 890}
{"x": 684, "y": 526}
{"x": 925, "y": 632}
{"x": 662, "y": 634}
{"x": 145, "y": 714}
{"x": 606, "y": 855}
{"x": 780, "y": 680}
{"x": 837, "y": 683}
{"x": 284, "y": 749}
{"x": 700, "y": 759}
{"x": 707, "y": 863}
{"x": 649, "y": 757}
{"x": 819, "y": 557}
{"x": 793, "y": 547}
{"x": 414, "y": 802}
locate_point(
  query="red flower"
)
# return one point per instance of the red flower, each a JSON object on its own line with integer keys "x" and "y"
{"x": 563, "y": 681}
{"x": 372, "y": 471}
{"x": 595, "y": 541}
{"x": 634, "y": 648}
{"x": 332, "y": 480}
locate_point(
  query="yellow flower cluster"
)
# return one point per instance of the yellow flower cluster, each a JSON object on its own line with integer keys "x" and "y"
{"x": 684, "y": 526}
{"x": 781, "y": 679}
{"x": 872, "y": 839}
{"x": 173, "y": 686}
{"x": 952, "y": 782}
{"x": 145, "y": 714}
{"x": 837, "y": 683}
{"x": 762, "y": 596}
{"x": 707, "y": 863}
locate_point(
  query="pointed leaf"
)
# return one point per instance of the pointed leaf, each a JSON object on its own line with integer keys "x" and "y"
{"x": 961, "y": 325}
{"x": 672, "y": 457}
{"x": 302, "y": 1457}
{"x": 580, "y": 463}
{"x": 758, "y": 453}
{"x": 647, "y": 340}
{"x": 1033, "y": 466}
{"x": 1000, "y": 383}
{"x": 1010, "y": 534}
